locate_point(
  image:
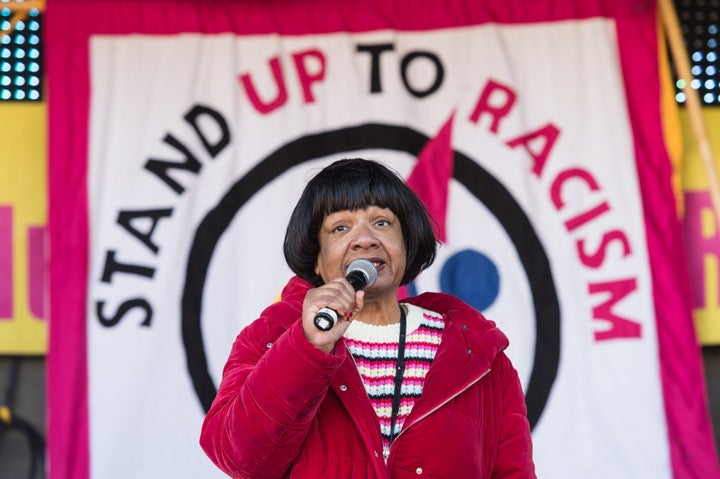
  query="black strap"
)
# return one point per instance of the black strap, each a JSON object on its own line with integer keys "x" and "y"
{"x": 399, "y": 372}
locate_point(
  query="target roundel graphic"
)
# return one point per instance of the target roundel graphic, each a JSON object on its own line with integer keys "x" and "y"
{"x": 481, "y": 184}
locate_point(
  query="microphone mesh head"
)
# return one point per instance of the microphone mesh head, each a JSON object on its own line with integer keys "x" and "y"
{"x": 366, "y": 268}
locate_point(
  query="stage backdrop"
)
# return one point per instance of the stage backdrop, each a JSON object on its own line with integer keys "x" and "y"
{"x": 182, "y": 133}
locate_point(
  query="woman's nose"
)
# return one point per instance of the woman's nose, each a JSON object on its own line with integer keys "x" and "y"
{"x": 364, "y": 237}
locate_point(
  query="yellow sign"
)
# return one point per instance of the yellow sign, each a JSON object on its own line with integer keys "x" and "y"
{"x": 702, "y": 233}
{"x": 23, "y": 232}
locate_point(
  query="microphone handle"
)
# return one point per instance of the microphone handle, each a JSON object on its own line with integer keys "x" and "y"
{"x": 326, "y": 318}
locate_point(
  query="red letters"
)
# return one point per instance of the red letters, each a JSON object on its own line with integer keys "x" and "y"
{"x": 619, "y": 327}
{"x": 501, "y": 108}
{"x": 545, "y": 137}
{"x": 36, "y": 267}
{"x": 280, "y": 97}
{"x": 306, "y": 77}
{"x": 6, "y": 262}
{"x": 597, "y": 258}
{"x": 497, "y": 101}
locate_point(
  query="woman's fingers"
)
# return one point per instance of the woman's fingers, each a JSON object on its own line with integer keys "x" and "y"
{"x": 337, "y": 295}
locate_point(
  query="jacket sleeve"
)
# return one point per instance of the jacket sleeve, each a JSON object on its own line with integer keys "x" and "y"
{"x": 271, "y": 389}
{"x": 514, "y": 450}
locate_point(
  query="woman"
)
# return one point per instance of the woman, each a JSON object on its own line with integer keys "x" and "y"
{"x": 394, "y": 389}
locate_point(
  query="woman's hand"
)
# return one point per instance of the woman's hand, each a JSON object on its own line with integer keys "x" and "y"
{"x": 338, "y": 295}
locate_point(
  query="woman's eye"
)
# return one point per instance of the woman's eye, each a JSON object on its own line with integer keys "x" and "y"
{"x": 382, "y": 222}
{"x": 339, "y": 228}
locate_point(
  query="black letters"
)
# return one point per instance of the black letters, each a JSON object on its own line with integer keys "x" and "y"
{"x": 224, "y": 139}
{"x": 375, "y": 51}
{"x": 125, "y": 217}
{"x": 123, "y": 310}
{"x": 439, "y": 73}
{"x": 375, "y": 75}
{"x": 160, "y": 167}
{"x": 112, "y": 266}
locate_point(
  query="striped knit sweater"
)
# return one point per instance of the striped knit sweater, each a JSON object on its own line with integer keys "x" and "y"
{"x": 375, "y": 349}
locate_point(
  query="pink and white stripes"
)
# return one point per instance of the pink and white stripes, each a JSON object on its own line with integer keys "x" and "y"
{"x": 375, "y": 350}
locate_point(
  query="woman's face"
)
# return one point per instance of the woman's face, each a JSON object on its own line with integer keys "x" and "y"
{"x": 374, "y": 234}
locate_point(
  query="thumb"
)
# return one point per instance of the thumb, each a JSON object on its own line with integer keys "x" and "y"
{"x": 351, "y": 314}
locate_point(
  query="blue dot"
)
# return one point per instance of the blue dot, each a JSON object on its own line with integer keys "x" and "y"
{"x": 472, "y": 277}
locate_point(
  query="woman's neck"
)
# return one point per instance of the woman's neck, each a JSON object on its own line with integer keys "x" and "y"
{"x": 380, "y": 313}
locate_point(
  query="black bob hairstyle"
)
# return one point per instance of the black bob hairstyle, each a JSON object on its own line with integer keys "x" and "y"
{"x": 353, "y": 184}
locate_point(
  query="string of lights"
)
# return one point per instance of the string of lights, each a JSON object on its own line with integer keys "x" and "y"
{"x": 21, "y": 72}
{"x": 21, "y": 49}
{"x": 700, "y": 24}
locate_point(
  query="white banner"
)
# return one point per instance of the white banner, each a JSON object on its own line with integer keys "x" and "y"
{"x": 201, "y": 144}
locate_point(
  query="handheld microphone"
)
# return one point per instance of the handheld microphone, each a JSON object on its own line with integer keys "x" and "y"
{"x": 361, "y": 274}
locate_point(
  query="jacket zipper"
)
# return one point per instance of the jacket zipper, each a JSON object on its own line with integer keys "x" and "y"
{"x": 449, "y": 398}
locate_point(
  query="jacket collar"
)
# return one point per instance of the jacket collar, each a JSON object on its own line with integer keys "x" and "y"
{"x": 469, "y": 346}
{"x": 481, "y": 338}
{"x": 469, "y": 331}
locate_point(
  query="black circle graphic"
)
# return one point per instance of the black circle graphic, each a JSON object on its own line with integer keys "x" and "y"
{"x": 496, "y": 198}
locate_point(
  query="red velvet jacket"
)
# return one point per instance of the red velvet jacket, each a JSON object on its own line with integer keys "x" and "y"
{"x": 286, "y": 409}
